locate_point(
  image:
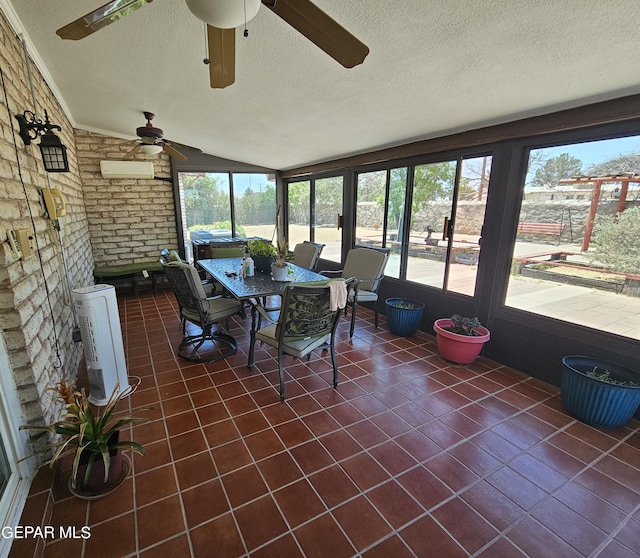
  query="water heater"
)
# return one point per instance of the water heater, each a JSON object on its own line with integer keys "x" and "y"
{"x": 97, "y": 313}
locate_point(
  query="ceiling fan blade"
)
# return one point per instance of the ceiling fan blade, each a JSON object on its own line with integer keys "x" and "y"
{"x": 173, "y": 152}
{"x": 323, "y": 31}
{"x": 133, "y": 151}
{"x": 222, "y": 56}
{"x": 103, "y": 16}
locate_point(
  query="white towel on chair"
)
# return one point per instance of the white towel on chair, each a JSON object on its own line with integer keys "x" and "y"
{"x": 338, "y": 294}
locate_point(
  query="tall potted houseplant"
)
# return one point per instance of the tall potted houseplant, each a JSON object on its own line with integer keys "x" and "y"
{"x": 92, "y": 438}
{"x": 597, "y": 392}
{"x": 460, "y": 339}
{"x": 263, "y": 254}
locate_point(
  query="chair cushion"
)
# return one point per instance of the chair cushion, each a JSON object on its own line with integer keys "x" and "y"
{"x": 363, "y": 296}
{"x": 219, "y": 252}
{"x": 365, "y": 264}
{"x": 297, "y": 348}
{"x": 126, "y": 269}
{"x": 216, "y": 309}
{"x": 306, "y": 254}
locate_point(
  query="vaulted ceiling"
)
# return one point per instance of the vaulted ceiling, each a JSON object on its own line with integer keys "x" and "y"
{"x": 434, "y": 67}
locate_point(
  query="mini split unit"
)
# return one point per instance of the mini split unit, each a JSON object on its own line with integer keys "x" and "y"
{"x": 126, "y": 169}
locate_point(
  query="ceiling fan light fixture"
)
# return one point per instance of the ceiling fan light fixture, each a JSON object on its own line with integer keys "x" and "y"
{"x": 151, "y": 149}
{"x": 224, "y": 14}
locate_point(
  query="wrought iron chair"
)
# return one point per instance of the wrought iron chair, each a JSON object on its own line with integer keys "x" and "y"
{"x": 307, "y": 321}
{"x": 195, "y": 307}
{"x": 167, "y": 256}
{"x": 367, "y": 265}
{"x": 306, "y": 254}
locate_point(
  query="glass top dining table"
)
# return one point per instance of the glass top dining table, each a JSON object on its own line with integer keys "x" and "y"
{"x": 226, "y": 271}
{"x": 256, "y": 289}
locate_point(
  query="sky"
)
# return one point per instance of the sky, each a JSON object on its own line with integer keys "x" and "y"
{"x": 596, "y": 151}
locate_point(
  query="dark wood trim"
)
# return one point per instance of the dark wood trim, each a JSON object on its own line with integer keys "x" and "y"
{"x": 605, "y": 112}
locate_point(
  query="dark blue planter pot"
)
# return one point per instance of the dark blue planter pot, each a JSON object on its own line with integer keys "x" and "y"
{"x": 404, "y": 316}
{"x": 593, "y": 401}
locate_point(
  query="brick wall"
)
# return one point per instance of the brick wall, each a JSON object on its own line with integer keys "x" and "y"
{"x": 129, "y": 220}
{"x": 36, "y": 319}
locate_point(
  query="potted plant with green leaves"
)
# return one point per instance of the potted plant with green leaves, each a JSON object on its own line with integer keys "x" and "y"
{"x": 403, "y": 315}
{"x": 263, "y": 254}
{"x": 280, "y": 268}
{"x": 597, "y": 392}
{"x": 460, "y": 339}
{"x": 92, "y": 438}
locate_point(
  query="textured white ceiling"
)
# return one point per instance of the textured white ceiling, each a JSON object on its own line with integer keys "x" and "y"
{"x": 435, "y": 67}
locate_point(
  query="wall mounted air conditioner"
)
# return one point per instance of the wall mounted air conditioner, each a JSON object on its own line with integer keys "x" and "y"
{"x": 97, "y": 312}
{"x": 126, "y": 169}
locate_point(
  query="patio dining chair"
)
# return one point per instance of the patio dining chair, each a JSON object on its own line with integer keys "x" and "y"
{"x": 205, "y": 312}
{"x": 307, "y": 321}
{"x": 367, "y": 265}
{"x": 306, "y": 254}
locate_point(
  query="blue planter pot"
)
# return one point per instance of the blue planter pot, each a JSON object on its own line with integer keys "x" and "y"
{"x": 404, "y": 316}
{"x": 593, "y": 401}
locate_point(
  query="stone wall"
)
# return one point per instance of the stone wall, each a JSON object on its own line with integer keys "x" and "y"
{"x": 129, "y": 220}
{"x": 36, "y": 319}
{"x": 470, "y": 216}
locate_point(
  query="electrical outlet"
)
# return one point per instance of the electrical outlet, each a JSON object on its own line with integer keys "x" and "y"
{"x": 13, "y": 244}
{"x": 26, "y": 243}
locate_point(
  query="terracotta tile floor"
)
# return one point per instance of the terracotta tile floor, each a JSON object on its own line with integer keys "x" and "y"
{"x": 408, "y": 457}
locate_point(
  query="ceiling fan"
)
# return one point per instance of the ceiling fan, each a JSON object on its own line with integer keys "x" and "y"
{"x": 152, "y": 143}
{"x": 223, "y": 16}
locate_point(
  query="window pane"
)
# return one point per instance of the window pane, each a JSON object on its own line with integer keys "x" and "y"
{"x": 5, "y": 469}
{"x": 431, "y": 203}
{"x": 395, "y": 218}
{"x": 254, "y": 197}
{"x": 577, "y": 248}
{"x": 370, "y": 207}
{"x": 206, "y": 204}
{"x": 472, "y": 199}
{"x": 327, "y": 207}
{"x": 299, "y": 212}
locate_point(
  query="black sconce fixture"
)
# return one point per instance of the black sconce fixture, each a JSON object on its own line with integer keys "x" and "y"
{"x": 54, "y": 153}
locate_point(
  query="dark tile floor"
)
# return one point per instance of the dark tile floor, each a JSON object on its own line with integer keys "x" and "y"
{"x": 408, "y": 457}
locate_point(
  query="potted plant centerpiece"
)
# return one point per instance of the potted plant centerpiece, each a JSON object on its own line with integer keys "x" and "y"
{"x": 597, "y": 392}
{"x": 460, "y": 339}
{"x": 280, "y": 269}
{"x": 92, "y": 439}
{"x": 403, "y": 315}
{"x": 263, "y": 254}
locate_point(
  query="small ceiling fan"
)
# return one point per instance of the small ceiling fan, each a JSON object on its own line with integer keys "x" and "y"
{"x": 152, "y": 143}
{"x": 223, "y": 16}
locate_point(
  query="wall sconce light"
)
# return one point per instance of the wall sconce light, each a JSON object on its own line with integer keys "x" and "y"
{"x": 54, "y": 153}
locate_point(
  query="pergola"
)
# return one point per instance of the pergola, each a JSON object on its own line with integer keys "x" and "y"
{"x": 597, "y": 181}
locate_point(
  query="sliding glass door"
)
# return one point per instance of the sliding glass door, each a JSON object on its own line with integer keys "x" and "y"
{"x": 431, "y": 216}
{"x": 314, "y": 214}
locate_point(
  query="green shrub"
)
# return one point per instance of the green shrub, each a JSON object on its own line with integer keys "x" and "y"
{"x": 615, "y": 241}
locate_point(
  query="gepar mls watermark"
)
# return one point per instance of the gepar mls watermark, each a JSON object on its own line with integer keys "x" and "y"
{"x": 45, "y": 532}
